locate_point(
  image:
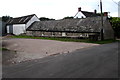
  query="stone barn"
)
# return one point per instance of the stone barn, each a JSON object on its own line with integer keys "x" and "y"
{"x": 81, "y": 27}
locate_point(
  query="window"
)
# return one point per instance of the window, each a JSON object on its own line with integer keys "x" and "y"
{"x": 63, "y": 34}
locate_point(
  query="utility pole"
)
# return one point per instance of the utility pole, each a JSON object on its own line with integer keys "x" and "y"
{"x": 101, "y": 34}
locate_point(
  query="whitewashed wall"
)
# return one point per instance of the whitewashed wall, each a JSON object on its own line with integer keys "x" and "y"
{"x": 18, "y": 29}
{"x": 8, "y": 29}
{"x": 33, "y": 19}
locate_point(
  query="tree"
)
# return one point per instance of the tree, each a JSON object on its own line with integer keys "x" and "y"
{"x": 45, "y": 19}
{"x": 6, "y": 18}
{"x": 115, "y": 21}
{"x": 68, "y": 17}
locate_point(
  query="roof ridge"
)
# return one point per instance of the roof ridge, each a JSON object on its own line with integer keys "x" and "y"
{"x": 20, "y": 20}
{"x": 90, "y": 14}
{"x": 87, "y": 11}
{"x": 24, "y": 16}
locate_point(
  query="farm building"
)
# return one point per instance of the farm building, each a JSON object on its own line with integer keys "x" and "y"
{"x": 79, "y": 27}
{"x": 19, "y": 25}
{"x": 85, "y": 14}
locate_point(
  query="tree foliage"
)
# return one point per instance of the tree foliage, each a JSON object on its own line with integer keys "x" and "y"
{"x": 45, "y": 19}
{"x": 115, "y": 21}
{"x": 68, "y": 17}
{"x": 6, "y": 18}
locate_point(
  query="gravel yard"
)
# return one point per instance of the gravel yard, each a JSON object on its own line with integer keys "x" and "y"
{"x": 28, "y": 49}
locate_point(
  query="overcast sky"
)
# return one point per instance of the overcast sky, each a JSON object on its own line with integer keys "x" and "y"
{"x": 56, "y": 9}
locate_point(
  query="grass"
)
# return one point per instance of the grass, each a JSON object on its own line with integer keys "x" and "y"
{"x": 68, "y": 39}
{"x": 3, "y": 49}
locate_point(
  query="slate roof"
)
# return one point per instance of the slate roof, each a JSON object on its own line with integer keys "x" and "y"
{"x": 90, "y": 24}
{"x": 90, "y": 14}
{"x": 20, "y": 20}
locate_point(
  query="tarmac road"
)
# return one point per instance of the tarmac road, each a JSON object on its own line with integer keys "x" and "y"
{"x": 95, "y": 62}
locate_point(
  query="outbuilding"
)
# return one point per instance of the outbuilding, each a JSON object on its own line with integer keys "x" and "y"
{"x": 81, "y": 27}
{"x": 19, "y": 25}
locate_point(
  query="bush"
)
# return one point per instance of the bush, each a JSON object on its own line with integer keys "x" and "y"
{"x": 115, "y": 21}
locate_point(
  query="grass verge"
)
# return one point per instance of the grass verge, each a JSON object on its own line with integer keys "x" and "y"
{"x": 67, "y": 39}
{"x": 3, "y": 49}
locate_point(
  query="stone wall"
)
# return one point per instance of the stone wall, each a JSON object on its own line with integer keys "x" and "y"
{"x": 108, "y": 34}
{"x": 57, "y": 34}
{"x": 89, "y": 25}
{"x": 108, "y": 31}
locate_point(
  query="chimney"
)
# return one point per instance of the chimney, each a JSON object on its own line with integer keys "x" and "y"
{"x": 105, "y": 13}
{"x": 95, "y": 11}
{"x": 79, "y": 9}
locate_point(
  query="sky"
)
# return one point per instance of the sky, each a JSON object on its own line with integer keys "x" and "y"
{"x": 56, "y": 9}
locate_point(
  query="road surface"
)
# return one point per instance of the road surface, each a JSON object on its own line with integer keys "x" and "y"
{"x": 95, "y": 62}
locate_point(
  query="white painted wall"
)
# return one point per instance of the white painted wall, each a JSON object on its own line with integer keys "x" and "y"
{"x": 8, "y": 29}
{"x": 33, "y": 19}
{"x": 18, "y": 29}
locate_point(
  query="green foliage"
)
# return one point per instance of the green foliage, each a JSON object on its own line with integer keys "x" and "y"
{"x": 45, "y": 19}
{"x": 6, "y": 18}
{"x": 3, "y": 49}
{"x": 68, "y": 17}
{"x": 115, "y": 21}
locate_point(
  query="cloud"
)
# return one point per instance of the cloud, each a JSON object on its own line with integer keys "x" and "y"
{"x": 115, "y": 14}
{"x": 53, "y": 8}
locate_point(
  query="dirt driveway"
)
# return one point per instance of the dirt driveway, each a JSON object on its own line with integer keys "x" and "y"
{"x": 28, "y": 49}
